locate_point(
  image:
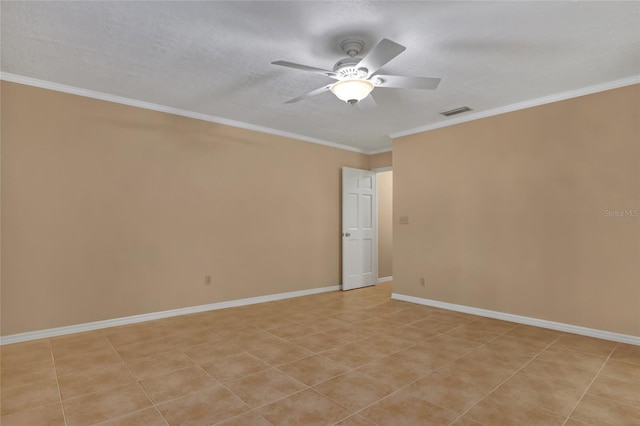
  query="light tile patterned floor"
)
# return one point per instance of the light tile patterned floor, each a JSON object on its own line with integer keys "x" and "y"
{"x": 347, "y": 358}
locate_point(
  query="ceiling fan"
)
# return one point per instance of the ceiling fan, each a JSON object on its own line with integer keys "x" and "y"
{"x": 357, "y": 77}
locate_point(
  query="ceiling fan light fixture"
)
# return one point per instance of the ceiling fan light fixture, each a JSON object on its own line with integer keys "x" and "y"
{"x": 352, "y": 91}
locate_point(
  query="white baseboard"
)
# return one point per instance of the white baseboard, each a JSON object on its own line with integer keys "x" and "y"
{"x": 384, "y": 279}
{"x": 575, "y": 329}
{"x": 78, "y": 328}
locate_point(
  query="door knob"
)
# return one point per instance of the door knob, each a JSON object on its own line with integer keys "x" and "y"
{"x": 346, "y": 234}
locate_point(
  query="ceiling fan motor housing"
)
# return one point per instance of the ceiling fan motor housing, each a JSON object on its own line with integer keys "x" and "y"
{"x": 347, "y": 69}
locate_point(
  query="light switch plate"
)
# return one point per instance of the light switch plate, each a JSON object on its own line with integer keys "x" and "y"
{"x": 404, "y": 220}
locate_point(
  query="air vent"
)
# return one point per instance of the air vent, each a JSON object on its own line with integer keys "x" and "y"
{"x": 456, "y": 111}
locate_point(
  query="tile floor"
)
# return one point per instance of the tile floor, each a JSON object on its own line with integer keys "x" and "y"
{"x": 343, "y": 358}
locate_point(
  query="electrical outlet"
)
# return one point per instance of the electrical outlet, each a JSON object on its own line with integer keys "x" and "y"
{"x": 423, "y": 282}
{"x": 207, "y": 280}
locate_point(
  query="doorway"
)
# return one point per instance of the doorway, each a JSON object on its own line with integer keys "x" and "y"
{"x": 385, "y": 224}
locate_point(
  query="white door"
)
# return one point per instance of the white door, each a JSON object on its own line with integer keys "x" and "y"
{"x": 359, "y": 228}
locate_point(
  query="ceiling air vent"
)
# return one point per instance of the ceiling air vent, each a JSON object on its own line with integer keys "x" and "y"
{"x": 456, "y": 111}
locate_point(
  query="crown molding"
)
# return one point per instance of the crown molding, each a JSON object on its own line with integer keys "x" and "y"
{"x": 378, "y": 151}
{"x": 15, "y": 78}
{"x": 521, "y": 105}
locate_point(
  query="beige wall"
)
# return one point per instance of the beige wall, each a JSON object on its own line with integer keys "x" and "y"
{"x": 110, "y": 211}
{"x": 508, "y": 213}
{"x": 382, "y": 159}
{"x": 385, "y": 224}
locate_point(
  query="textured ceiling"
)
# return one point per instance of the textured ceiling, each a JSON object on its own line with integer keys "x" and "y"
{"x": 214, "y": 57}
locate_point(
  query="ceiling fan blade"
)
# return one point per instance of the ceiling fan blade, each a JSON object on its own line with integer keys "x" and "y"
{"x": 384, "y": 52}
{"x": 305, "y": 68}
{"x": 403, "y": 82}
{"x": 368, "y": 103}
{"x": 308, "y": 95}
